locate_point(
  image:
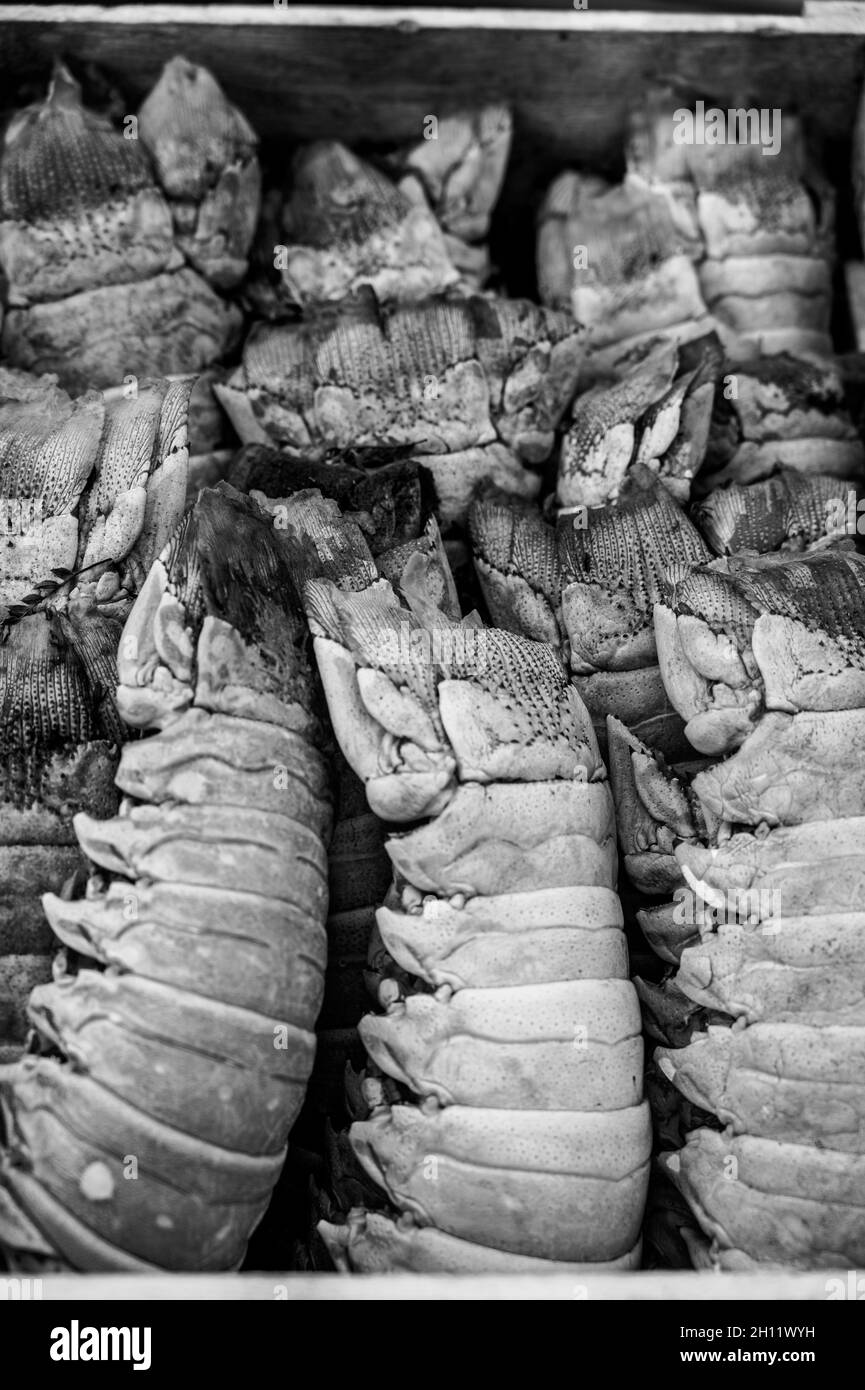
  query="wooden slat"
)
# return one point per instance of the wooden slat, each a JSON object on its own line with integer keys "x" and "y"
{"x": 651, "y": 1286}
{"x": 818, "y": 16}
{"x": 322, "y": 70}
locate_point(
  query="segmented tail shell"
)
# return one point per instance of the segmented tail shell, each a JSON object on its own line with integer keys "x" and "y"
{"x": 177, "y": 1053}
{"x": 657, "y": 415}
{"x": 760, "y": 1110}
{"x": 619, "y": 260}
{"x": 523, "y": 1067}
{"x": 787, "y": 511}
{"x": 98, "y": 289}
{"x": 90, "y": 490}
{"x": 781, "y": 411}
{"x": 79, "y": 208}
{"x": 696, "y": 235}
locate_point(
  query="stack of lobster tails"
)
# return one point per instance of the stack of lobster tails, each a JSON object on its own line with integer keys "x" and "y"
{"x": 147, "y": 1124}
{"x": 762, "y": 1011}
{"x": 503, "y": 1125}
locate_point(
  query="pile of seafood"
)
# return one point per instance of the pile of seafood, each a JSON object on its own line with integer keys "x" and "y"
{"x": 430, "y": 807}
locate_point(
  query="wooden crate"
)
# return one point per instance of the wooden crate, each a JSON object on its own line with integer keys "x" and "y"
{"x": 370, "y": 75}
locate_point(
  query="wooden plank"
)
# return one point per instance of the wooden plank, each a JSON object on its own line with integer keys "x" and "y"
{"x": 656, "y": 1285}
{"x": 319, "y": 71}
{"x": 655, "y": 6}
{"x": 818, "y": 16}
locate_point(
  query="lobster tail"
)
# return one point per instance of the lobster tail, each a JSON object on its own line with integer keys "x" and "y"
{"x": 90, "y": 489}
{"x": 509, "y": 1058}
{"x": 756, "y": 853}
{"x": 195, "y": 962}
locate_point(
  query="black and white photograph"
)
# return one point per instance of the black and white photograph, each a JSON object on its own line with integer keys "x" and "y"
{"x": 432, "y": 665}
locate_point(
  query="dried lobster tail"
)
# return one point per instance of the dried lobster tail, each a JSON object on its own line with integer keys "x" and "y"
{"x": 695, "y": 236}
{"x": 613, "y": 562}
{"x": 786, "y": 511}
{"x": 765, "y": 224}
{"x": 761, "y": 1013}
{"x": 507, "y": 1068}
{"x": 781, "y": 412}
{"x": 90, "y": 491}
{"x": 621, "y": 262}
{"x": 348, "y": 522}
{"x": 175, "y": 1048}
{"x": 747, "y": 636}
{"x": 474, "y": 388}
{"x": 99, "y": 290}
{"x": 59, "y": 737}
{"x": 80, "y": 207}
{"x": 657, "y": 415}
